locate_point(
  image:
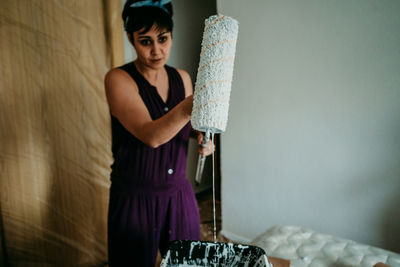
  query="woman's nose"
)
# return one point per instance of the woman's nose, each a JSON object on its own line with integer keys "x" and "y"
{"x": 156, "y": 49}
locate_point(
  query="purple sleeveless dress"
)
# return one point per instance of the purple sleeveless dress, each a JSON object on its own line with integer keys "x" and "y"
{"x": 151, "y": 200}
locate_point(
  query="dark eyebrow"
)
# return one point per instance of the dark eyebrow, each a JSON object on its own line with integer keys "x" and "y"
{"x": 148, "y": 37}
{"x": 162, "y": 33}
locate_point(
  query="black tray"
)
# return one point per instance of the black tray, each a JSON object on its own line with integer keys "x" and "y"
{"x": 197, "y": 253}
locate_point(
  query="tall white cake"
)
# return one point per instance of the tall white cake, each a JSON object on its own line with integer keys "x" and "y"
{"x": 214, "y": 75}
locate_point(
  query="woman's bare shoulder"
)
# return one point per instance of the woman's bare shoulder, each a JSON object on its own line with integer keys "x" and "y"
{"x": 117, "y": 78}
{"x": 187, "y": 81}
{"x": 116, "y": 74}
{"x": 184, "y": 74}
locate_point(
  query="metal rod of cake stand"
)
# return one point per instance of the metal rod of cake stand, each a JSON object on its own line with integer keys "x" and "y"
{"x": 202, "y": 159}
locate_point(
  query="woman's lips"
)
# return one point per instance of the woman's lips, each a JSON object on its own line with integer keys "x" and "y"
{"x": 156, "y": 60}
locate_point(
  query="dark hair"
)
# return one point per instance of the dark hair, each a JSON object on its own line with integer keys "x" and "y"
{"x": 136, "y": 18}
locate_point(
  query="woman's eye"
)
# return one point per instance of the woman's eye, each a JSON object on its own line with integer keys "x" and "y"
{"x": 145, "y": 42}
{"x": 163, "y": 39}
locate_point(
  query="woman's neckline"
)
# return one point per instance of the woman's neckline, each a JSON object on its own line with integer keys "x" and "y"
{"x": 154, "y": 87}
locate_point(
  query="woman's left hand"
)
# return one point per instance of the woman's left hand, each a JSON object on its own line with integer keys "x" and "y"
{"x": 207, "y": 150}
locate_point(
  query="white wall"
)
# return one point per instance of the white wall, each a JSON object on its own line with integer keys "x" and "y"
{"x": 313, "y": 137}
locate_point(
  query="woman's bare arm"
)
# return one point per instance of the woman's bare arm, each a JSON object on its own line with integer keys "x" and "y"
{"x": 187, "y": 82}
{"x": 128, "y": 107}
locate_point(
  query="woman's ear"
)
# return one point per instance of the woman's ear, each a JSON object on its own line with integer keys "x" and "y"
{"x": 130, "y": 37}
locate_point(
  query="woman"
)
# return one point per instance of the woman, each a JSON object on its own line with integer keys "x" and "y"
{"x": 151, "y": 200}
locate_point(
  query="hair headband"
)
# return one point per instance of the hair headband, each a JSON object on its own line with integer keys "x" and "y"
{"x": 159, "y": 4}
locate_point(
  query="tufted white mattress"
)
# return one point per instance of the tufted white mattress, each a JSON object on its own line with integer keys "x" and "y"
{"x": 305, "y": 247}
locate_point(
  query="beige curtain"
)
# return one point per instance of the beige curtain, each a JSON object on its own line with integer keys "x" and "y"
{"x": 55, "y": 138}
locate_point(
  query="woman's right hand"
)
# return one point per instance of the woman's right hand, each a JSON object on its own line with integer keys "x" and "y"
{"x": 206, "y": 150}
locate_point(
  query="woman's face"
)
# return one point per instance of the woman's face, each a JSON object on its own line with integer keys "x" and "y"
{"x": 153, "y": 47}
